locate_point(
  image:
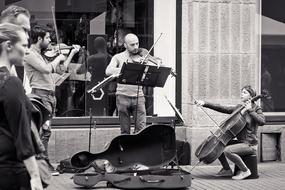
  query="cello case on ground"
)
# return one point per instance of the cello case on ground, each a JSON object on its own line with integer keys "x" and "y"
{"x": 154, "y": 147}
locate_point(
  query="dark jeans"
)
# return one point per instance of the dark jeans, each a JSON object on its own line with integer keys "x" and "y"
{"x": 49, "y": 101}
{"x": 233, "y": 151}
{"x": 111, "y": 104}
{"x": 128, "y": 106}
{"x": 14, "y": 179}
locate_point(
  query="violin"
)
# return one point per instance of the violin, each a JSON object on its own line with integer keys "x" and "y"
{"x": 212, "y": 147}
{"x": 54, "y": 50}
{"x": 144, "y": 57}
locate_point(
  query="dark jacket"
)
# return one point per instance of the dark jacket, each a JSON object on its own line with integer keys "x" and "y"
{"x": 15, "y": 119}
{"x": 254, "y": 118}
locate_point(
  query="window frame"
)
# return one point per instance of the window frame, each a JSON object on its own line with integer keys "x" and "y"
{"x": 271, "y": 118}
{"x": 113, "y": 121}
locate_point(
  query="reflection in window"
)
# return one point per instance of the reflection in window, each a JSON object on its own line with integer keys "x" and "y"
{"x": 99, "y": 27}
{"x": 81, "y": 22}
{"x": 273, "y": 56}
{"x": 267, "y": 103}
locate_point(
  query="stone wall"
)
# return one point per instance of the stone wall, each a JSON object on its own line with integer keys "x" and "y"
{"x": 219, "y": 55}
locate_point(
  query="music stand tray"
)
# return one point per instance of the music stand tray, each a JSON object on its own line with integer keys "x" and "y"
{"x": 143, "y": 75}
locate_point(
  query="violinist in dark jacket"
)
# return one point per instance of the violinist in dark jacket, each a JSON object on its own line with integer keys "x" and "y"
{"x": 246, "y": 140}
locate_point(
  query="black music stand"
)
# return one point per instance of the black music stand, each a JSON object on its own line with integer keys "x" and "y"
{"x": 143, "y": 75}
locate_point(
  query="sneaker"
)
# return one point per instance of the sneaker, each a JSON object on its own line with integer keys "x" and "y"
{"x": 54, "y": 172}
{"x": 224, "y": 173}
{"x": 242, "y": 175}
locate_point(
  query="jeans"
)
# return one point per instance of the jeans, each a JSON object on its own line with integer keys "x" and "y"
{"x": 50, "y": 103}
{"x": 128, "y": 106}
{"x": 45, "y": 134}
{"x": 233, "y": 151}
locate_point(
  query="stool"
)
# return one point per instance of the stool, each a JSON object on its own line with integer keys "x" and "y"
{"x": 251, "y": 162}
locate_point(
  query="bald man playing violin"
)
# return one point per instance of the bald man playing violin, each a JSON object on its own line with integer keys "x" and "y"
{"x": 39, "y": 72}
{"x": 127, "y": 101}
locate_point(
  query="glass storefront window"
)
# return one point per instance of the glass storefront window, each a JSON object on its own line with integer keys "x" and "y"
{"x": 84, "y": 22}
{"x": 273, "y": 57}
{"x": 88, "y": 22}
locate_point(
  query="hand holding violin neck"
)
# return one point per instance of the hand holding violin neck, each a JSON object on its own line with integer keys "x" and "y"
{"x": 75, "y": 49}
{"x": 70, "y": 56}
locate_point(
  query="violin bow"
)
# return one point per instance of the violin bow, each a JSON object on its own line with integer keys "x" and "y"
{"x": 204, "y": 111}
{"x": 54, "y": 23}
{"x": 148, "y": 52}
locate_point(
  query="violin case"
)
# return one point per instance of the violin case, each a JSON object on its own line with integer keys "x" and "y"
{"x": 154, "y": 147}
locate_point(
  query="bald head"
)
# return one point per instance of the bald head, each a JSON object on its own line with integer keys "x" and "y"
{"x": 131, "y": 43}
{"x": 130, "y": 37}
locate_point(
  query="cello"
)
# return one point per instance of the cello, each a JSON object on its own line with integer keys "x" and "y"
{"x": 212, "y": 147}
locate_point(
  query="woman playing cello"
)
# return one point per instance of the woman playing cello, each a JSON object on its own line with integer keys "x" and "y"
{"x": 246, "y": 139}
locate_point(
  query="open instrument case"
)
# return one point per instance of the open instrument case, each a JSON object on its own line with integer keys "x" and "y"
{"x": 154, "y": 147}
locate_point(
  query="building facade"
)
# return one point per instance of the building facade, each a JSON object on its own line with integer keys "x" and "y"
{"x": 215, "y": 47}
{"x": 220, "y": 54}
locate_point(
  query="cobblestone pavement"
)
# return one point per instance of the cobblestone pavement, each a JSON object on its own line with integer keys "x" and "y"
{"x": 271, "y": 177}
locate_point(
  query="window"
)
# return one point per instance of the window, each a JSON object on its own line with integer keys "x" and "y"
{"x": 273, "y": 57}
{"x": 83, "y": 22}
